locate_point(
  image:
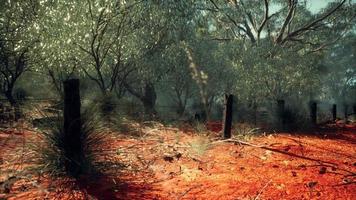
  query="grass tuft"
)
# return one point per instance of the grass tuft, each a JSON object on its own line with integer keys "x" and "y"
{"x": 200, "y": 128}
{"x": 200, "y": 145}
{"x": 245, "y": 131}
{"x": 51, "y": 153}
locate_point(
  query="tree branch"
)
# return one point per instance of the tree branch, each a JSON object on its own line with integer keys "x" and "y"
{"x": 312, "y": 24}
{"x": 292, "y": 5}
{"x": 265, "y": 19}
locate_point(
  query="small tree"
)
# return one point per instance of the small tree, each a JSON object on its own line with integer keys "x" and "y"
{"x": 16, "y": 42}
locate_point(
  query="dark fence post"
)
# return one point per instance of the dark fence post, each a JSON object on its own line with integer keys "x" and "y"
{"x": 227, "y": 121}
{"x": 255, "y": 113}
{"x": 2, "y": 113}
{"x": 313, "y": 112}
{"x": 72, "y": 126}
{"x": 17, "y": 112}
{"x": 334, "y": 112}
{"x": 280, "y": 112}
{"x": 346, "y": 107}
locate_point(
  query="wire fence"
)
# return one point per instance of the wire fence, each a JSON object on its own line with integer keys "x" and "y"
{"x": 34, "y": 108}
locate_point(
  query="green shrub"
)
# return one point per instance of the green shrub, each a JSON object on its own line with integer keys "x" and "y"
{"x": 20, "y": 94}
{"x": 105, "y": 105}
{"x": 51, "y": 154}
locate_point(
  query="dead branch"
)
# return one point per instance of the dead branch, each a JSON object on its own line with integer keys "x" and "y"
{"x": 265, "y": 19}
{"x": 239, "y": 142}
{"x": 187, "y": 191}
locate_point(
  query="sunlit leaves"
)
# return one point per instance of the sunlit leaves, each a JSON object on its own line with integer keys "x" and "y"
{"x": 17, "y": 40}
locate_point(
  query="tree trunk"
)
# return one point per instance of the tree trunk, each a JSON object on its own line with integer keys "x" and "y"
{"x": 180, "y": 110}
{"x": 2, "y": 112}
{"x": 254, "y": 113}
{"x": 280, "y": 113}
{"x": 227, "y": 121}
{"x": 334, "y": 112}
{"x": 13, "y": 103}
{"x": 10, "y": 97}
{"x": 313, "y": 113}
{"x": 149, "y": 100}
{"x": 72, "y": 127}
{"x": 345, "y": 112}
{"x": 180, "y": 105}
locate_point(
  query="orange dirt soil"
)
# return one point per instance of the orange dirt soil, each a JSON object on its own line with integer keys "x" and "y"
{"x": 166, "y": 163}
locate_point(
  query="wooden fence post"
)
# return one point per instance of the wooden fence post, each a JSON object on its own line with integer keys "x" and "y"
{"x": 72, "y": 126}
{"x": 313, "y": 113}
{"x": 334, "y": 112}
{"x": 254, "y": 113}
{"x": 17, "y": 112}
{"x": 2, "y": 112}
{"x": 346, "y": 115}
{"x": 280, "y": 112}
{"x": 227, "y": 121}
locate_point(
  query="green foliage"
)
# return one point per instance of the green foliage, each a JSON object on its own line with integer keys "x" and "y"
{"x": 234, "y": 47}
{"x": 106, "y": 105}
{"x": 20, "y": 94}
{"x": 17, "y": 40}
{"x": 340, "y": 72}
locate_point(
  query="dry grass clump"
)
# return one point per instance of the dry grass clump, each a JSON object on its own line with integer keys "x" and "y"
{"x": 51, "y": 153}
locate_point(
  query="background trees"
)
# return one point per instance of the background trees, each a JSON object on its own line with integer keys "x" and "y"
{"x": 340, "y": 72}
{"x": 261, "y": 51}
{"x": 281, "y": 45}
{"x": 95, "y": 41}
{"x": 17, "y": 39}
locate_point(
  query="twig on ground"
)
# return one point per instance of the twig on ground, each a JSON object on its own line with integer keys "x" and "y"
{"x": 187, "y": 191}
{"x": 343, "y": 184}
{"x": 263, "y": 188}
{"x": 240, "y": 142}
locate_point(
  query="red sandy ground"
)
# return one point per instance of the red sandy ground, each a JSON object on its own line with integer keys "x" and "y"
{"x": 166, "y": 163}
